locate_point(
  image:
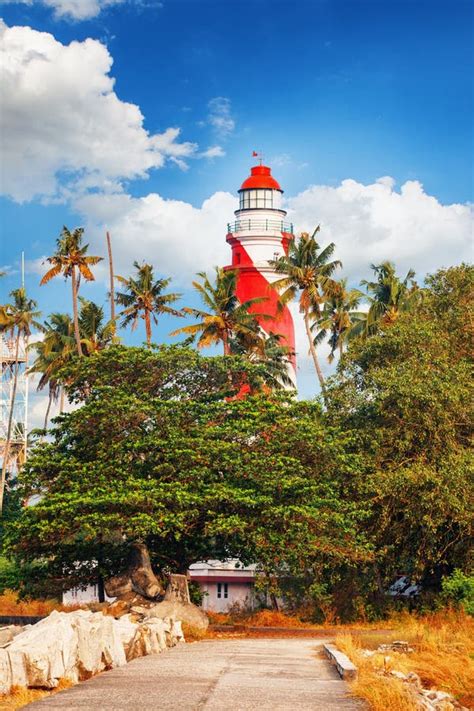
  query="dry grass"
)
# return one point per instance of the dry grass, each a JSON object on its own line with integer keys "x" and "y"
{"x": 11, "y": 605}
{"x": 192, "y": 633}
{"x": 443, "y": 659}
{"x": 20, "y": 696}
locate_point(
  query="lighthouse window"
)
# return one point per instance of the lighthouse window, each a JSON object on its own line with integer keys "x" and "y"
{"x": 251, "y": 199}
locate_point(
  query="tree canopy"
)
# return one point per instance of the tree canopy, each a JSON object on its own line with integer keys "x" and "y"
{"x": 158, "y": 458}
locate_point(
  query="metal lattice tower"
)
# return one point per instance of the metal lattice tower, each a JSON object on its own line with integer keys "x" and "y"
{"x": 10, "y": 365}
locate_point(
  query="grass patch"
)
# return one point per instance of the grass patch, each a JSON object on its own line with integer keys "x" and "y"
{"x": 10, "y": 604}
{"x": 443, "y": 658}
{"x": 20, "y": 696}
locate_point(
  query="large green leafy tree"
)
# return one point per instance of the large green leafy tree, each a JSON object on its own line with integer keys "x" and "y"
{"x": 407, "y": 394}
{"x": 171, "y": 458}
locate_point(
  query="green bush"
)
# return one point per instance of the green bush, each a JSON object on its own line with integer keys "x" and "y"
{"x": 458, "y": 588}
{"x": 9, "y": 575}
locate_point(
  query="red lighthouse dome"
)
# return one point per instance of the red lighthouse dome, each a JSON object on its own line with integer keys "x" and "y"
{"x": 260, "y": 177}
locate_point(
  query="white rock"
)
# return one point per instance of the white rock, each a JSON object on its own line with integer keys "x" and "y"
{"x": 49, "y": 648}
{"x": 5, "y": 672}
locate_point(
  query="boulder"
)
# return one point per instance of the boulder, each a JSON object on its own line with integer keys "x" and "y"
{"x": 7, "y": 633}
{"x": 49, "y": 648}
{"x": 188, "y": 613}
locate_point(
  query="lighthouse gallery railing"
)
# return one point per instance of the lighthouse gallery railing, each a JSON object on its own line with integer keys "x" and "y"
{"x": 252, "y": 225}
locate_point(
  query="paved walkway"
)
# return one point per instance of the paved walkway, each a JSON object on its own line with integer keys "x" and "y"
{"x": 216, "y": 675}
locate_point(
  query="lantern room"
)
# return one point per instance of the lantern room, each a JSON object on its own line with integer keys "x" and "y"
{"x": 260, "y": 190}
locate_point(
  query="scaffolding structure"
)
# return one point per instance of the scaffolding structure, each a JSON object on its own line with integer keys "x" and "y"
{"x": 13, "y": 365}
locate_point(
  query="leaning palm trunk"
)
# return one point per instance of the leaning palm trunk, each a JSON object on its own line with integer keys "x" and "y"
{"x": 61, "y": 401}
{"x": 313, "y": 352}
{"x": 6, "y": 452}
{"x": 77, "y": 334}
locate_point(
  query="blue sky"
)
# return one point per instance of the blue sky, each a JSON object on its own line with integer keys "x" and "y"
{"x": 330, "y": 91}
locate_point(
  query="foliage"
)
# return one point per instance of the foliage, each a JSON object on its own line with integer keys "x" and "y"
{"x": 406, "y": 394}
{"x": 193, "y": 477}
{"x": 307, "y": 274}
{"x": 458, "y": 588}
{"x": 72, "y": 261}
{"x": 143, "y": 297}
{"x": 226, "y": 318}
{"x": 389, "y": 296}
{"x": 9, "y": 578}
{"x": 338, "y": 317}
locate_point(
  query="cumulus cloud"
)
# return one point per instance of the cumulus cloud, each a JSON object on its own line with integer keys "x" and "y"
{"x": 64, "y": 128}
{"x": 220, "y": 116}
{"x": 176, "y": 237}
{"x": 375, "y": 222}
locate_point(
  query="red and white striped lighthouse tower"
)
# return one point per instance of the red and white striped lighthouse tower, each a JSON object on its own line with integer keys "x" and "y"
{"x": 258, "y": 235}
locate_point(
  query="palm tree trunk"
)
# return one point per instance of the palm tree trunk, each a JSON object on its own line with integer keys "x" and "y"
{"x": 46, "y": 417}
{"x": 111, "y": 273}
{"x": 61, "y": 401}
{"x": 313, "y": 352}
{"x": 77, "y": 335}
{"x": 225, "y": 341}
{"x": 148, "y": 327}
{"x": 6, "y": 451}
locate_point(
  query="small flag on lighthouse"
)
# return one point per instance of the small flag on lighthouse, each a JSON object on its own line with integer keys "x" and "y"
{"x": 254, "y": 154}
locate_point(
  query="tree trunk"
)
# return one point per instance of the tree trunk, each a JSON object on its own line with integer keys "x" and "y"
{"x": 225, "y": 341}
{"x": 61, "y": 401}
{"x": 111, "y": 273}
{"x": 46, "y": 417}
{"x": 138, "y": 578}
{"x": 313, "y": 352}
{"x": 77, "y": 335}
{"x": 6, "y": 451}
{"x": 148, "y": 327}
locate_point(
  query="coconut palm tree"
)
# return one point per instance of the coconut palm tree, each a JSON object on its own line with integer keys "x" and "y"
{"x": 17, "y": 318}
{"x": 95, "y": 335}
{"x": 144, "y": 298}
{"x": 52, "y": 353}
{"x": 307, "y": 274}
{"x": 338, "y": 317}
{"x": 226, "y": 317}
{"x": 389, "y": 296}
{"x": 71, "y": 260}
{"x": 267, "y": 351}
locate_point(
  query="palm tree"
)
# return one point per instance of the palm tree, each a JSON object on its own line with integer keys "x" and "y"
{"x": 389, "y": 296}
{"x": 307, "y": 273}
{"x": 144, "y": 298}
{"x": 71, "y": 260}
{"x": 267, "y": 351}
{"x": 95, "y": 335}
{"x": 226, "y": 317}
{"x": 55, "y": 350}
{"x": 17, "y": 318}
{"x": 338, "y": 317}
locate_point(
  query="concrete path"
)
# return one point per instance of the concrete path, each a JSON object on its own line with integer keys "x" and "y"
{"x": 216, "y": 675}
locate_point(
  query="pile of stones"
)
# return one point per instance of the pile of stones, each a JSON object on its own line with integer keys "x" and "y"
{"x": 78, "y": 645}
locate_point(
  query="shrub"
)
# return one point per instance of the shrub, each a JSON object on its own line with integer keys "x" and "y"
{"x": 458, "y": 588}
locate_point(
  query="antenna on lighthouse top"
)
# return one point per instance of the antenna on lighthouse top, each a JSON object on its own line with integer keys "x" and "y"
{"x": 259, "y": 155}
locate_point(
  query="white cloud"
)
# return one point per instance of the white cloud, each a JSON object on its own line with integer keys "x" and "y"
{"x": 220, "y": 116}
{"x": 176, "y": 237}
{"x": 82, "y": 9}
{"x": 372, "y": 223}
{"x": 63, "y": 127}
{"x": 213, "y": 152}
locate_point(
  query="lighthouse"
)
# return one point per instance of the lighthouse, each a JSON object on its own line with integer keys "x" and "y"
{"x": 259, "y": 234}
